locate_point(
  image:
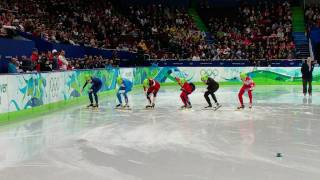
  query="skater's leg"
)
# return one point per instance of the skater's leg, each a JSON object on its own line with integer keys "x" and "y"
{"x": 304, "y": 85}
{"x": 310, "y": 87}
{"x": 189, "y": 102}
{"x": 90, "y": 96}
{"x": 119, "y": 97}
{"x": 148, "y": 97}
{"x": 241, "y": 92}
{"x": 214, "y": 97}
{"x": 96, "y": 98}
{"x": 250, "y": 96}
{"x": 206, "y": 96}
{"x": 94, "y": 92}
{"x": 155, "y": 93}
{"x": 183, "y": 97}
{"x": 126, "y": 98}
{"x": 153, "y": 101}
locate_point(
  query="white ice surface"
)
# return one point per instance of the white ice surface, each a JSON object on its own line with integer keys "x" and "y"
{"x": 170, "y": 144}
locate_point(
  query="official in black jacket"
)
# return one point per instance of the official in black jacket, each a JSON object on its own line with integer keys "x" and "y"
{"x": 306, "y": 70}
{"x": 213, "y": 86}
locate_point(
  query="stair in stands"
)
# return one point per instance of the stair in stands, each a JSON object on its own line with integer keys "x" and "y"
{"x": 198, "y": 21}
{"x": 299, "y": 36}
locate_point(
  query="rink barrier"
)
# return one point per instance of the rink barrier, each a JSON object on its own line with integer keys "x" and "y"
{"x": 37, "y": 111}
{"x": 26, "y": 95}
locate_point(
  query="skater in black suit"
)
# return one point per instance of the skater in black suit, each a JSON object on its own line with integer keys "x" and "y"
{"x": 306, "y": 70}
{"x": 213, "y": 86}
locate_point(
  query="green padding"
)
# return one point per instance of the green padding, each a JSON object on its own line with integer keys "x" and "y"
{"x": 44, "y": 109}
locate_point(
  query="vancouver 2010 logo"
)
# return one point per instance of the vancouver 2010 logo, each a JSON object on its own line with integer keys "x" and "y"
{"x": 3, "y": 91}
{"x": 54, "y": 87}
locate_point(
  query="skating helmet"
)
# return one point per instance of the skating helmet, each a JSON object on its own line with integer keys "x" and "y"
{"x": 243, "y": 75}
{"x": 87, "y": 77}
{"x": 182, "y": 80}
{"x": 204, "y": 78}
{"x": 119, "y": 80}
{"x": 146, "y": 83}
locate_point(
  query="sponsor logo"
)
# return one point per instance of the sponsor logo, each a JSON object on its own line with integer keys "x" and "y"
{"x": 54, "y": 87}
{"x": 209, "y": 72}
{"x": 3, "y": 91}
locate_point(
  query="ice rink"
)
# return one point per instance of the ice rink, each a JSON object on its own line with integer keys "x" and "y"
{"x": 171, "y": 144}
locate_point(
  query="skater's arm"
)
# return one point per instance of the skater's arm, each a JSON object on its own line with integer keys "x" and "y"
{"x": 84, "y": 86}
{"x": 179, "y": 81}
{"x": 153, "y": 83}
{"x": 247, "y": 81}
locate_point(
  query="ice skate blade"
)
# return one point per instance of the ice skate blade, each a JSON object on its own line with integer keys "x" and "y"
{"x": 123, "y": 109}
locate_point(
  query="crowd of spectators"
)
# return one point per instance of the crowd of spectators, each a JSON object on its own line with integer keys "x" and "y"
{"x": 312, "y": 16}
{"x": 77, "y": 22}
{"x": 161, "y": 32}
{"x": 56, "y": 61}
{"x": 170, "y": 33}
{"x": 262, "y": 31}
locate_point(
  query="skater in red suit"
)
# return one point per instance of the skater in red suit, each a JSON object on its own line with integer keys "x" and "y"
{"x": 187, "y": 89}
{"x": 248, "y": 85}
{"x": 151, "y": 88}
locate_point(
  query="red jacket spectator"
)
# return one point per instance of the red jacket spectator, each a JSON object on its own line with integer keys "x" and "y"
{"x": 35, "y": 59}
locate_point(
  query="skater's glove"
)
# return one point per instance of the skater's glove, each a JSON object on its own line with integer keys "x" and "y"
{"x": 182, "y": 89}
{"x": 178, "y": 80}
{"x": 252, "y": 88}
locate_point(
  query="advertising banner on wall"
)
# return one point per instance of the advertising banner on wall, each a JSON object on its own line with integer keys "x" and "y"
{"x": 24, "y": 91}
{"x": 127, "y": 73}
{"x": 262, "y": 75}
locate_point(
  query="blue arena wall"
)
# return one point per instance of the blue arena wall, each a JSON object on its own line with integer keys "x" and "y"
{"x": 12, "y": 48}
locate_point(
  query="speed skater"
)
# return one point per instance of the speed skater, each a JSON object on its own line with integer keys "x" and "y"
{"x": 248, "y": 85}
{"x": 213, "y": 86}
{"x": 151, "y": 88}
{"x": 125, "y": 86}
{"x": 96, "y": 85}
{"x": 187, "y": 89}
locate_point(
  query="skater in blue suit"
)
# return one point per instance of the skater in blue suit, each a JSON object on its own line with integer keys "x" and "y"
{"x": 96, "y": 85}
{"x": 125, "y": 86}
